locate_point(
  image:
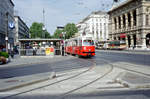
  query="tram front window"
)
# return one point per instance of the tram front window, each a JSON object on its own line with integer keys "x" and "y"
{"x": 88, "y": 43}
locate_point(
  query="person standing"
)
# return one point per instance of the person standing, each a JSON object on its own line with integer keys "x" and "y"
{"x": 12, "y": 53}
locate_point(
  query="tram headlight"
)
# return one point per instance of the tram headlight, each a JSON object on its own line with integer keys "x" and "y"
{"x": 84, "y": 48}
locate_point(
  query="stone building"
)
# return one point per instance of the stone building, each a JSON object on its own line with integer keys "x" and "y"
{"x": 130, "y": 22}
{"x": 95, "y": 25}
{"x": 21, "y": 30}
{"x": 6, "y": 11}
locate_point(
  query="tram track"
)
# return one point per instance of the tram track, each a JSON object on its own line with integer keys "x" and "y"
{"x": 125, "y": 68}
{"x": 89, "y": 83}
{"x": 93, "y": 61}
{"x": 63, "y": 95}
{"x": 56, "y": 82}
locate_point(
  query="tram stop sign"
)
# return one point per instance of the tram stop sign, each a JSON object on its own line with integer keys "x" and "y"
{"x": 11, "y": 25}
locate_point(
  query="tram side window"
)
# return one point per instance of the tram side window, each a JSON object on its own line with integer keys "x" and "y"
{"x": 76, "y": 43}
{"x": 80, "y": 42}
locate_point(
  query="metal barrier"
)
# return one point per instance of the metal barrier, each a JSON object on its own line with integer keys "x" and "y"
{"x": 37, "y": 52}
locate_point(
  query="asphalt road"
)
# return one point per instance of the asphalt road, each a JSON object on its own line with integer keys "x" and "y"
{"x": 66, "y": 63}
{"x": 71, "y": 63}
{"x": 113, "y": 57}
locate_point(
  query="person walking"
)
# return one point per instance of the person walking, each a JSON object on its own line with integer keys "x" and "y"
{"x": 12, "y": 54}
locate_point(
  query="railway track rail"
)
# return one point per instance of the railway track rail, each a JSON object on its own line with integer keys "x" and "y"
{"x": 125, "y": 68}
{"x": 93, "y": 61}
{"x": 56, "y": 82}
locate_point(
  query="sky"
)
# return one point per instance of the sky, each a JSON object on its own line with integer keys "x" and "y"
{"x": 58, "y": 12}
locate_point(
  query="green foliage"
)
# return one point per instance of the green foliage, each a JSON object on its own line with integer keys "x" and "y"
{"x": 58, "y": 33}
{"x": 36, "y": 31}
{"x": 4, "y": 54}
{"x": 70, "y": 30}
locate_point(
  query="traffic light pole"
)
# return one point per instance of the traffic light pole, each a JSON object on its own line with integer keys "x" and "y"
{"x": 6, "y": 37}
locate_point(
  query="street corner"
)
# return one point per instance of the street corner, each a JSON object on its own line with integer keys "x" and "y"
{"x": 133, "y": 80}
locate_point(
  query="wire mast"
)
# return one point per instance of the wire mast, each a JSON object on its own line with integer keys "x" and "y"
{"x": 43, "y": 36}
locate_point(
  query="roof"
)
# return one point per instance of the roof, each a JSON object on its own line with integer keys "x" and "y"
{"x": 11, "y": 2}
{"x": 118, "y": 5}
{"x": 96, "y": 13}
{"x": 99, "y": 12}
{"x": 21, "y": 20}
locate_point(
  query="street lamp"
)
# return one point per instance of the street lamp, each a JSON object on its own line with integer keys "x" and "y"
{"x": 64, "y": 33}
{"x": 43, "y": 35}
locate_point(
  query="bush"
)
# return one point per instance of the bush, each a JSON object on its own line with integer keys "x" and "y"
{"x": 4, "y": 54}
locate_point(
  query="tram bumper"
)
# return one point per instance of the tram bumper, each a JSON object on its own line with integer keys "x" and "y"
{"x": 88, "y": 54}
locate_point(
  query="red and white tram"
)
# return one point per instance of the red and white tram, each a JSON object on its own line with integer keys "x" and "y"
{"x": 81, "y": 46}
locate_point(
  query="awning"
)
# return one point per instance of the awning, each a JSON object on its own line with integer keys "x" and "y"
{"x": 123, "y": 35}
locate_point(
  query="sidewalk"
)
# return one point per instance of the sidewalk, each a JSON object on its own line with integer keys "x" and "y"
{"x": 19, "y": 61}
{"x": 146, "y": 52}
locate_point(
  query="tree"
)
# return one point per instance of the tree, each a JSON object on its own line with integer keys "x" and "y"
{"x": 36, "y": 31}
{"x": 70, "y": 30}
{"x": 58, "y": 33}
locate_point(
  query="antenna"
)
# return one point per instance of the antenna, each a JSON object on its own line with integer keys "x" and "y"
{"x": 43, "y": 23}
{"x": 43, "y": 17}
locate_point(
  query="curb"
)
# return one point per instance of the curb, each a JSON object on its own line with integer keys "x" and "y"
{"x": 128, "y": 51}
{"x": 23, "y": 64}
{"x": 133, "y": 86}
{"x": 53, "y": 75}
{"x": 23, "y": 85}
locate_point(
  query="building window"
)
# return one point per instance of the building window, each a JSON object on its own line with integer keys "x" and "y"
{"x": 119, "y": 19}
{"x": 147, "y": 19}
{"x": 124, "y": 21}
{"x": 115, "y": 23}
{"x": 134, "y": 18}
{"x": 129, "y": 19}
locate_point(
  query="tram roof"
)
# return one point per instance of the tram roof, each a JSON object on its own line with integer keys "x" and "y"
{"x": 52, "y": 40}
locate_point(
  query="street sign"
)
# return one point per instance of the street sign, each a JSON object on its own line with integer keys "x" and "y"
{"x": 11, "y": 25}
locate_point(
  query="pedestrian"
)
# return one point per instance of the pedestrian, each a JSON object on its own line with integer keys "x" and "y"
{"x": 12, "y": 54}
{"x": 34, "y": 51}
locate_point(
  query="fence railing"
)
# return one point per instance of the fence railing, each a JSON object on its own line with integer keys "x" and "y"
{"x": 37, "y": 52}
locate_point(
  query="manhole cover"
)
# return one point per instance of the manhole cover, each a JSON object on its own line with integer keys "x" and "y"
{"x": 10, "y": 81}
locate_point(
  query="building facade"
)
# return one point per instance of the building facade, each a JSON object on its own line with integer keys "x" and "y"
{"x": 6, "y": 12}
{"x": 95, "y": 25}
{"x": 21, "y": 30}
{"x": 130, "y": 23}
